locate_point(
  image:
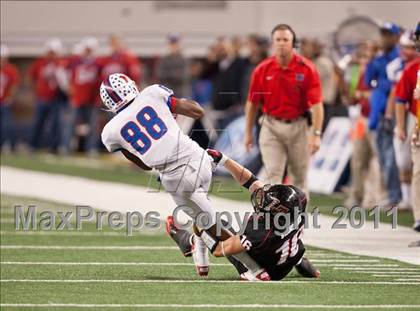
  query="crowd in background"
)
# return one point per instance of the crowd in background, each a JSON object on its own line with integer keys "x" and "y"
{"x": 67, "y": 97}
{"x": 66, "y": 93}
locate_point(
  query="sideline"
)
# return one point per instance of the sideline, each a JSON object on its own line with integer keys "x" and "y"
{"x": 383, "y": 242}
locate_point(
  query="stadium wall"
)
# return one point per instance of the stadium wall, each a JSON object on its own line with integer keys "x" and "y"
{"x": 25, "y": 25}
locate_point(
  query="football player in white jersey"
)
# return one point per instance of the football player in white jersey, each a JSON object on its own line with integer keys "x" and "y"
{"x": 145, "y": 131}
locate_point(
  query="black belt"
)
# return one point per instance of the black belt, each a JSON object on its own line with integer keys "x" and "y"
{"x": 287, "y": 120}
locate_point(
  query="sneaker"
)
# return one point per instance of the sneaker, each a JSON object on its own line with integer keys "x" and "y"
{"x": 200, "y": 256}
{"x": 259, "y": 276}
{"x": 307, "y": 269}
{"x": 416, "y": 226}
{"x": 181, "y": 237}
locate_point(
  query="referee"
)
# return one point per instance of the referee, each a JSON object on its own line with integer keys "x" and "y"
{"x": 288, "y": 89}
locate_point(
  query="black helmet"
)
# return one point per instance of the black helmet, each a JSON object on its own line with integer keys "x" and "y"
{"x": 279, "y": 199}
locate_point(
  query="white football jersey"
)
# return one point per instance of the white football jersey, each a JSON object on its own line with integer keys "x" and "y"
{"x": 147, "y": 129}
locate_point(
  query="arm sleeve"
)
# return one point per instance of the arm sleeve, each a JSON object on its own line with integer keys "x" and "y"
{"x": 314, "y": 91}
{"x": 255, "y": 93}
{"x": 165, "y": 94}
{"x": 108, "y": 141}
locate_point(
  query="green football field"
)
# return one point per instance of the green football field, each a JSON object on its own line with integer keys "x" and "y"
{"x": 106, "y": 270}
{"x": 107, "y": 168}
{"x": 97, "y": 270}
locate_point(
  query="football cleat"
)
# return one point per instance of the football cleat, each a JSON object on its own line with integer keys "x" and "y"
{"x": 307, "y": 270}
{"x": 200, "y": 256}
{"x": 181, "y": 237}
{"x": 259, "y": 276}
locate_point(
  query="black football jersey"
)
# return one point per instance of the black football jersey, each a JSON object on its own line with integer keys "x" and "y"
{"x": 276, "y": 252}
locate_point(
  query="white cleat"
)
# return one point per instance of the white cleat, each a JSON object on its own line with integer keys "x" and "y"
{"x": 201, "y": 256}
{"x": 259, "y": 276}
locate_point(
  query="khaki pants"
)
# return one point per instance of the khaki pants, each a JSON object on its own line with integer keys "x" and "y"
{"x": 359, "y": 165}
{"x": 284, "y": 144}
{"x": 415, "y": 153}
{"x": 366, "y": 187}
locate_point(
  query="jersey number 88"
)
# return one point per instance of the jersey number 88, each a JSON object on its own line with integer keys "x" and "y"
{"x": 150, "y": 121}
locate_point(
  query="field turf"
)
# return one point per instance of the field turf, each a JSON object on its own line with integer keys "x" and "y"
{"x": 108, "y": 168}
{"x": 106, "y": 270}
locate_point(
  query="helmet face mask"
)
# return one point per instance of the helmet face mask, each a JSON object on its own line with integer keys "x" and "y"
{"x": 117, "y": 91}
{"x": 278, "y": 199}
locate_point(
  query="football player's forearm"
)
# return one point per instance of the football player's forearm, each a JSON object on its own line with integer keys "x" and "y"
{"x": 318, "y": 116}
{"x": 242, "y": 175}
{"x": 231, "y": 246}
{"x": 189, "y": 108}
{"x": 238, "y": 172}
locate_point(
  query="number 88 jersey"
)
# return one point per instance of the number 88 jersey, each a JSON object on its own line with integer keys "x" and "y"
{"x": 147, "y": 129}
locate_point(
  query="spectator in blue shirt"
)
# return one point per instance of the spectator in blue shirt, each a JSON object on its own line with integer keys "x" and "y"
{"x": 382, "y": 129}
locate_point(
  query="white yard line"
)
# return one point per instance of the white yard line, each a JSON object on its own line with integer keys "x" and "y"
{"x": 308, "y": 254}
{"x": 374, "y": 269}
{"x": 64, "y": 263}
{"x": 204, "y": 281}
{"x": 382, "y": 242}
{"x": 78, "y": 263}
{"x": 143, "y": 247}
{"x": 204, "y": 306}
{"x": 72, "y": 247}
{"x": 393, "y": 275}
{"x": 410, "y": 280}
{"x": 358, "y": 265}
{"x": 386, "y": 272}
{"x": 345, "y": 260}
{"x": 65, "y": 233}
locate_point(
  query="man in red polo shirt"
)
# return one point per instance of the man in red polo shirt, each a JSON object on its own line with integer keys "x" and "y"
{"x": 120, "y": 60}
{"x": 287, "y": 87}
{"x": 43, "y": 75}
{"x": 9, "y": 79}
{"x": 407, "y": 96}
{"x": 83, "y": 90}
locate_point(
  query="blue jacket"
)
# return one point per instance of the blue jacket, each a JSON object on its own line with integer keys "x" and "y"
{"x": 376, "y": 78}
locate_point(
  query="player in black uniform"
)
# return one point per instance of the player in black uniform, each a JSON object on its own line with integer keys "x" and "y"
{"x": 271, "y": 240}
